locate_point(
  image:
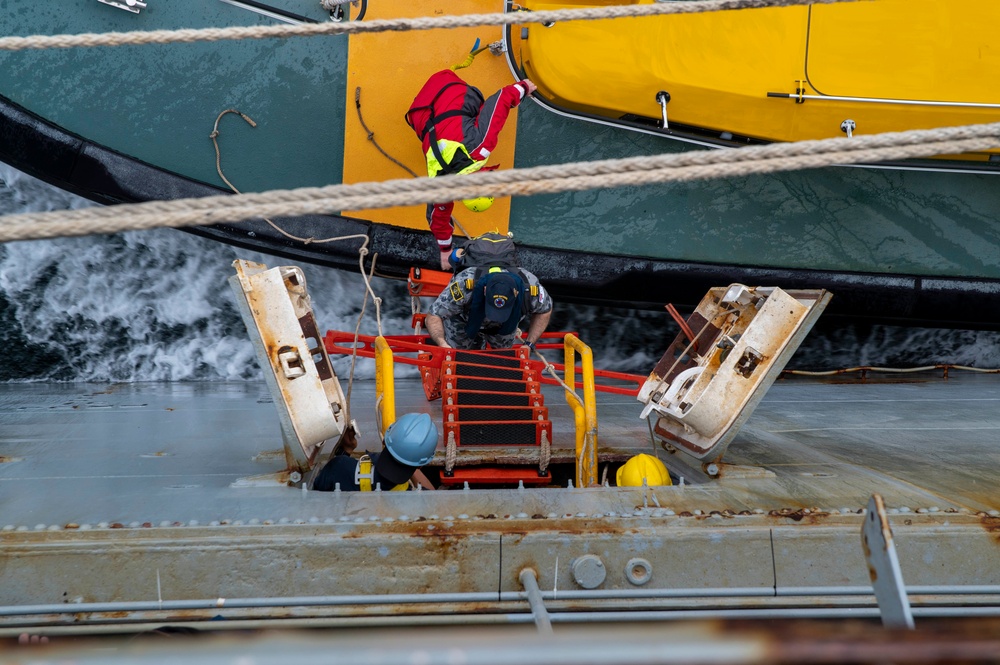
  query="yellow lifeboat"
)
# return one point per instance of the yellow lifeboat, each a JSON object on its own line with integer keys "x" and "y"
{"x": 774, "y": 74}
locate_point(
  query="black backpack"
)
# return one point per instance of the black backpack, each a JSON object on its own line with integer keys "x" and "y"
{"x": 490, "y": 250}
{"x": 494, "y": 250}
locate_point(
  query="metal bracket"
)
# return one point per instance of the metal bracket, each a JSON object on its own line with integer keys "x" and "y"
{"x": 883, "y": 567}
{"x": 663, "y": 98}
{"x": 848, "y": 127}
{"x": 128, "y": 5}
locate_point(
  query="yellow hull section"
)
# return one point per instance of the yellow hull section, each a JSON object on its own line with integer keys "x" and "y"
{"x": 934, "y": 60}
{"x": 389, "y": 68}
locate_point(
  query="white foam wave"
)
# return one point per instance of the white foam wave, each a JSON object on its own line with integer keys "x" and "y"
{"x": 156, "y": 306}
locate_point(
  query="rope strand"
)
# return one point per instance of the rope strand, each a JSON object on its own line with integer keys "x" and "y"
{"x": 579, "y": 176}
{"x": 187, "y": 36}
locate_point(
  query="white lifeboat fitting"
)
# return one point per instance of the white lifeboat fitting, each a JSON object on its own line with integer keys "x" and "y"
{"x": 278, "y": 314}
{"x": 732, "y": 348}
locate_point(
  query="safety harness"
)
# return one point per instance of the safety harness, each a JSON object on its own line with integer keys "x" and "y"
{"x": 364, "y": 474}
{"x": 460, "y": 160}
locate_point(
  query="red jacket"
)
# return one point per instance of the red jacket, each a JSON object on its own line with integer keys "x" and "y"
{"x": 460, "y": 114}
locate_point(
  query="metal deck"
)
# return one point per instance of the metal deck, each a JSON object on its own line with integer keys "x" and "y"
{"x": 142, "y": 502}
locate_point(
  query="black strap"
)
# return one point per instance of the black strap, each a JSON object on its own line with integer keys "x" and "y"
{"x": 431, "y": 120}
{"x": 435, "y": 119}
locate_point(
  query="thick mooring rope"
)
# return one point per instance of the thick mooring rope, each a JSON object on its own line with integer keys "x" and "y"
{"x": 389, "y": 25}
{"x": 633, "y": 171}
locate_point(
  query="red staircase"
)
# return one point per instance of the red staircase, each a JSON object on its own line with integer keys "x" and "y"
{"x": 495, "y": 424}
{"x": 492, "y": 399}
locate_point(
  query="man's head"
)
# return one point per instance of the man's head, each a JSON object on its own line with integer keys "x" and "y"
{"x": 501, "y": 297}
{"x": 409, "y": 443}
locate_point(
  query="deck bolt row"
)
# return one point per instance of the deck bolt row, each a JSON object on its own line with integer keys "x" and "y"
{"x": 646, "y": 511}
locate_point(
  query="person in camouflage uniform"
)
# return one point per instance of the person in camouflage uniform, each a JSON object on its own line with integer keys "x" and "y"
{"x": 472, "y": 312}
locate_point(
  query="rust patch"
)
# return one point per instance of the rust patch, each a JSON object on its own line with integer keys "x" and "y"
{"x": 872, "y": 574}
{"x": 990, "y": 523}
{"x": 811, "y": 515}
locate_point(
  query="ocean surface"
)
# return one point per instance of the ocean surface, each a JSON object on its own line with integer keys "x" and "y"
{"x": 156, "y": 306}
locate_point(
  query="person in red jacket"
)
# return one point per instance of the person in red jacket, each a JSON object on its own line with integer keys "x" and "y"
{"x": 458, "y": 130}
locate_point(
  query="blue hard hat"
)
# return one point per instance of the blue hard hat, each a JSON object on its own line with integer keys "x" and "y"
{"x": 412, "y": 439}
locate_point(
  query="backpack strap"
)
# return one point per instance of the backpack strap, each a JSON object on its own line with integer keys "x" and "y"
{"x": 430, "y": 107}
{"x": 530, "y": 289}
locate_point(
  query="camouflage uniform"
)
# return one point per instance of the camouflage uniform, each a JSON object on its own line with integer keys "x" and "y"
{"x": 452, "y": 305}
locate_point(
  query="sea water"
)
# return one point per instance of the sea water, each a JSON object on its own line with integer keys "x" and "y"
{"x": 156, "y": 306}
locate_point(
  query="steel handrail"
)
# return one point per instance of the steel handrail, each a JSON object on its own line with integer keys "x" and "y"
{"x": 346, "y": 343}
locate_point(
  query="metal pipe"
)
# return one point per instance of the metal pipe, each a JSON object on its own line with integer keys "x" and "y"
{"x": 198, "y": 604}
{"x": 79, "y": 624}
{"x": 945, "y": 589}
{"x": 417, "y": 598}
{"x": 628, "y": 594}
{"x": 789, "y": 613}
{"x": 530, "y": 583}
{"x": 880, "y": 100}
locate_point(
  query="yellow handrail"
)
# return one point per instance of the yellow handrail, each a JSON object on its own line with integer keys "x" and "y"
{"x": 385, "y": 390}
{"x": 586, "y": 413}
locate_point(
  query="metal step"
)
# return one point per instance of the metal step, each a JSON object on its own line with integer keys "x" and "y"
{"x": 484, "y": 384}
{"x": 496, "y": 475}
{"x": 493, "y": 358}
{"x": 513, "y": 433}
{"x": 488, "y": 398}
{"x": 466, "y": 413}
{"x": 489, "y": 371}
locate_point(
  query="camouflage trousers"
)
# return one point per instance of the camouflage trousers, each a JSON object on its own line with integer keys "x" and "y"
{"x": 454, "y": 334}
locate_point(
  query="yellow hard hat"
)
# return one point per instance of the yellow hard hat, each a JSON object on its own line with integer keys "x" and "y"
{"x": 632, "y": 472}
{"x": 480, "y": 204}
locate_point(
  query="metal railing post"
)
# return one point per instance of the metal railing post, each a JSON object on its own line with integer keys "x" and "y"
{"x": 538, "y": 611}
{"x": 586, "y": 413}
{"x": 385, "y": 388}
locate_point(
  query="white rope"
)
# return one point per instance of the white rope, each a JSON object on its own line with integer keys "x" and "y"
{"x": 388, "y": 25}
{"x": 305, "y": 241}
{"x": 450, "y": 452}
{"x": 579, "y": 176}
{"x": 891, "y": 370}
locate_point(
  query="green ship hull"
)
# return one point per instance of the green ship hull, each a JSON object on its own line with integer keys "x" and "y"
{"x": 132, "y": 123}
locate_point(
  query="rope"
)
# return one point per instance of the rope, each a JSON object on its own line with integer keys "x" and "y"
{"x": 450, "y": 453}
{"x": 218, "y": 167}
{"x": 362, "y": 252}
{"x": 544, "y": 453}
{"x": 891, "y": 370}
{"x": 357, "y": 327}
{"x": 371, "y": 136}
{"x": 579, "y": 176}
{"x": 188, "y": 35}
